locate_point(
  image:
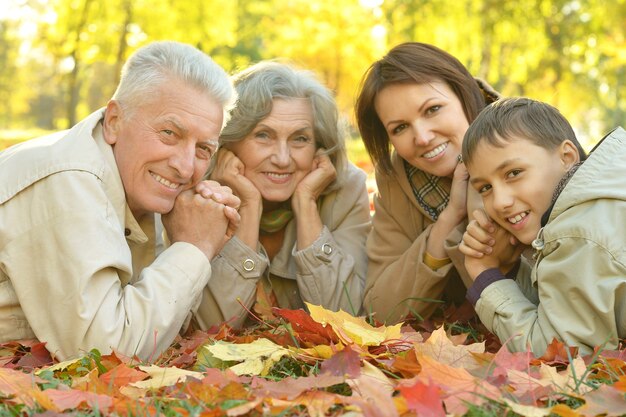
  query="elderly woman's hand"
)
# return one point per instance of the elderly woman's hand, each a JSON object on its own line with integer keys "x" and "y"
{"x": 229, "y": 170}
{"x": 322, "y": 174}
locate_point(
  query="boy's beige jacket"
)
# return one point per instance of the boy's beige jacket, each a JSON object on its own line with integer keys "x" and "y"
{"x": 76, "y": 269}
{"x": 579, "y": 277}
{"x": 397, "y": 275}
{"x": 330, "y": 272}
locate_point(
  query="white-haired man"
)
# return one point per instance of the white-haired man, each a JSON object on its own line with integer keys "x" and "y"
{"x": 80, "y": 264}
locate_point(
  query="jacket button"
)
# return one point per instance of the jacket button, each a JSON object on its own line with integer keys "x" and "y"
{"x": 327, "y": 249}
{"x": 248, "y": 265}
{"x": 127, "y": 232}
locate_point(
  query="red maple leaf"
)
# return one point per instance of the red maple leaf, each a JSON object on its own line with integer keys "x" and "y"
{"x": 305, "y": 327}
{"x": 424, "y": 399}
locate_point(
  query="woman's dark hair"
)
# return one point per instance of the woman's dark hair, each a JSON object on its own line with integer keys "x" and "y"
{"x": 409, "y": 63}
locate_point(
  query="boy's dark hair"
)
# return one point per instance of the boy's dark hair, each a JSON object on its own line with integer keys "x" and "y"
{"x": 521, "y": 117}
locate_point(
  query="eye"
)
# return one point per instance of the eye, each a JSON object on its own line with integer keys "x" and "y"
{"x": 483, "y": 188}
{"x": 262, "y": 135}
{"x": 433, "y": 109}
{"x": 398, "y": 129}
{"x": 205, "y": 151}
{"x": 513, "y": 173}
{"x": 168, "y": 132}
{"x": 301, "y": 140}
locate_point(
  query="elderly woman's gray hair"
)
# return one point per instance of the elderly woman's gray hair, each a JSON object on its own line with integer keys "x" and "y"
{"x": 257, "y": 87}
{"x": 164, "y": 61}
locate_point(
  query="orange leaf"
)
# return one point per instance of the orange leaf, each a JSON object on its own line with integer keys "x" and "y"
{"x": 68, "y": 399}
{"x": 424, "y": 399}
{"x": 440, "y": 347}
{"x": 407, "y": 365}
{"x": 460, "y": 386}
{"x": 606, "y": 400}
{"x": 20, "y": 387}
{"x": 122, "y": 375}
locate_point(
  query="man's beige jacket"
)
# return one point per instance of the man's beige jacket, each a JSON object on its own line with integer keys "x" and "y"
{"x": 76, "y": 269}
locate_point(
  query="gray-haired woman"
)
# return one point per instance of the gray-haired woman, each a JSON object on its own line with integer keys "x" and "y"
{"x": 304, "y": 207}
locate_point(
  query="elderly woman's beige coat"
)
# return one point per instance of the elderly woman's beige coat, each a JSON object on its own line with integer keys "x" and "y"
{"x": 330, "y": 272}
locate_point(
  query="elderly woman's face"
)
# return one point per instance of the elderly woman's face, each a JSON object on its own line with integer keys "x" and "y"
{"x": 425, "y": 124}
{"x": 279, "y": 151}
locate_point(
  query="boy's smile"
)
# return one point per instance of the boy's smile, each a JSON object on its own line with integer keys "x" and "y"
{"x": 517, "y": 180}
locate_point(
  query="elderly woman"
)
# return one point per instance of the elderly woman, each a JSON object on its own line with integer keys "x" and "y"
{"x": 304, "y": 208}
{"x": 413, "y": 109}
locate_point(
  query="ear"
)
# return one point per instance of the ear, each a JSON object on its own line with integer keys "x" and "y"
{"x": 112, "y": 122}
{"x": 568, "y": 154}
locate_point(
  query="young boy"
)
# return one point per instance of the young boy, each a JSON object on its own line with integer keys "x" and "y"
{"x": 524, "y": 160}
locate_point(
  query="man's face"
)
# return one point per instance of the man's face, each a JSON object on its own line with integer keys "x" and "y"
{"x": 517, "y": 181}
{"x": 164, "y": 145}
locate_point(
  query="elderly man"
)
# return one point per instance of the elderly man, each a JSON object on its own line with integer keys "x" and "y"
{"x": 79, "y": 261}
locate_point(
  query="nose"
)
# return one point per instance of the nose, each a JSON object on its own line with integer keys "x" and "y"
{"x": 183, "y": 160}
{"x": 281, "y": 155}
{"x": 422, "y": 135}
{"x": 502, "y": 199}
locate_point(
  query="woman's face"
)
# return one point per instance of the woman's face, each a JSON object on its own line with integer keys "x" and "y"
{"x": 278, "y": 153}
{"x": 425, "y": 124}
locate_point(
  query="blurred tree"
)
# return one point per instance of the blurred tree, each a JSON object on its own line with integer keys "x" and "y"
{"x": 570, "y": 53}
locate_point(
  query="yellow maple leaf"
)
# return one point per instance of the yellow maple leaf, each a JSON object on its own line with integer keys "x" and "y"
{"x": 256, "y": 358}
{"x": 163, "y": 377}
{"x": 566, "y": 381}
{"x": 352, "y": 329}
{"x": 440, "y": 347}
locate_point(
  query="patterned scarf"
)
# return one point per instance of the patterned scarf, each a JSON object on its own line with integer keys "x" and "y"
{"x": 431, "y": 192}
{"x": 274, "y": 220}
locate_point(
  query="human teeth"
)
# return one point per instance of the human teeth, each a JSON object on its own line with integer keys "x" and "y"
{"x": 435, "y": 151}
{"x": 518, "y": 218}
{"x": 165, "y": 182}
{"x": 275, "y": 175}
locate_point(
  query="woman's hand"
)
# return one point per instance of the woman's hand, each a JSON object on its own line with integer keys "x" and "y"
{"x": 457, "y": 206}
{"x": 315, "y": 182}
{"x": 454, "y": 213}
{"x": 304, "y": 200}
{"x": 229, "y": 170}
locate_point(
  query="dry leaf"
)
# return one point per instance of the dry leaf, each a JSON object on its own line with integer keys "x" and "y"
{"x": 354, "y": 329}
{"x": 164, "y": 377}
{"x": 257, "y": 357}
{"x": 440, "y": 347}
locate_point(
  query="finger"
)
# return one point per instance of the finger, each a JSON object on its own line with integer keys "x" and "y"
{"x": 232, "y": 215}
{"x": 475, "y": 230}
{"x": 476, "y": 245}
{"x": 467, "y": 251}
{"x": 484, "y": 220}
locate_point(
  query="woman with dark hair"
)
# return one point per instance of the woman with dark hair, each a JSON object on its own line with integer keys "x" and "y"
{"x": 413, "y": 109}
{"x": 304, "y": 208}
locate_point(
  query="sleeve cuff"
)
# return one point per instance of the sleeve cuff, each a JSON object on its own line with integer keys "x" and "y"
{"x": 248, "y": 263}
{"x": 483, "y": 280}
{"x": 435, "y": 263}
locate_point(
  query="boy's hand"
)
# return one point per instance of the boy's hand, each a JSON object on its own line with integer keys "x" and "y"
{"x": 487, "y": 245}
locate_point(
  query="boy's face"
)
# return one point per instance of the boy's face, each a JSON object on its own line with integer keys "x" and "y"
{"x": 517, "y": 181}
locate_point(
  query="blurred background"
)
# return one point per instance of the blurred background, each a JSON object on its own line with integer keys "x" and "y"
{"x": 60, "y": 59}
